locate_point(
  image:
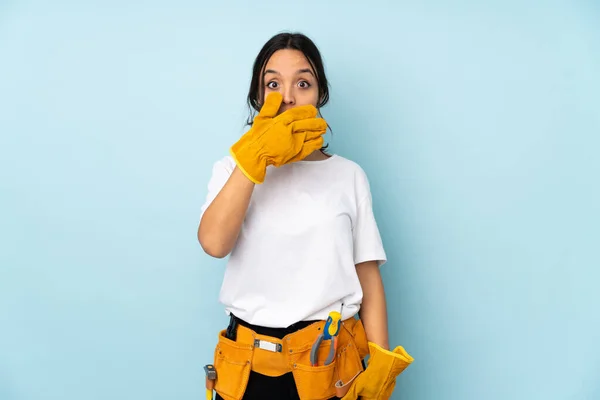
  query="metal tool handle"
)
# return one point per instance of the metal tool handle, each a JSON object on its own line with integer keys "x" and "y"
{"x": 314, "y": 351}
{"x": 332, "y": 351}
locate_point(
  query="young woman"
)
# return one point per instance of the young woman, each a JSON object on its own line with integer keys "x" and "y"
{"x": 303, "y": 242}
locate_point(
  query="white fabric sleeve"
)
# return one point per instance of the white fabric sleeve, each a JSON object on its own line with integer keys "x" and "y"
{"x": 368, "y": 245}
{"x": 221, "y": 172}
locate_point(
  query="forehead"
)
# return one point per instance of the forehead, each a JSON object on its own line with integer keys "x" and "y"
{"x": 287, "y": 60}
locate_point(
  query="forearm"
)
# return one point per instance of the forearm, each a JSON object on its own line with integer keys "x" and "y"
{"x": 373, "y": 312}
{"x": 222, "y": 220}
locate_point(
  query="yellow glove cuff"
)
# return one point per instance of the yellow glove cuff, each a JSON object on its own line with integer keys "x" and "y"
{"x": 378, "y": 380}
{"x": 398, "y": 353}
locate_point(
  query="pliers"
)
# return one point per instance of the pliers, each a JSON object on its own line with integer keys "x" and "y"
{"x": 330, "y": 332}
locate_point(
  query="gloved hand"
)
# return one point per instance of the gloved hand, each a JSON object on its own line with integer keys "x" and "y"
{"x": 278, "y": 139}
{"x": 378, "y": 380}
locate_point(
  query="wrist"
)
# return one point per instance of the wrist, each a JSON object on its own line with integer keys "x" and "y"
{"x": 251, "y": 166}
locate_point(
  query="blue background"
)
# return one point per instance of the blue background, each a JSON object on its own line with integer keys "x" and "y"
{"x": 478, "y": 124}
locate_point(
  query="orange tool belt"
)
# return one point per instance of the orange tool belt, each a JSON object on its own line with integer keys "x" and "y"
{"x": 233, "y": 360}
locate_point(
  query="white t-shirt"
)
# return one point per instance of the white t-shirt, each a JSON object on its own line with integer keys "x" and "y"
{"x": 306, "y": 228}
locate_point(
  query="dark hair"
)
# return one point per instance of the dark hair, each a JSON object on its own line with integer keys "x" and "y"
{"x": 287, "y": 40}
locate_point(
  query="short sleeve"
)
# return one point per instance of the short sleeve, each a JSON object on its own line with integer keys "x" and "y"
{"x": 368, "y": 245}
{"x": 221, "y": 171}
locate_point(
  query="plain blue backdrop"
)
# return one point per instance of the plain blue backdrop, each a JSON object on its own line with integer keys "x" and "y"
{"x": 478, "y": 124}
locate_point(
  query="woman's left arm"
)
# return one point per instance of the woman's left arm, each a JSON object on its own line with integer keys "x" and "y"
{"x": 373, "y": 311}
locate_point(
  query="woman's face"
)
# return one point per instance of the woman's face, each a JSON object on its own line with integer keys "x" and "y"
{"x": 289, "y": 72}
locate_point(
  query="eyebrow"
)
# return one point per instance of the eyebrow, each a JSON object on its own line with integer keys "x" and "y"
{"x": 300, "y": 71}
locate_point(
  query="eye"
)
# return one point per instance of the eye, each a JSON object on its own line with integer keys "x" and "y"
{"x": 272, "y": 85}
{"x": 304, "y": 84}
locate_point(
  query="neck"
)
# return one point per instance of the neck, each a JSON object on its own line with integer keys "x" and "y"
{"x": 316, "y": 155}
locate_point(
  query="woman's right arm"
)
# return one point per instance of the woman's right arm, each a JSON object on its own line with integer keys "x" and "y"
{"x": 221, "y": 223}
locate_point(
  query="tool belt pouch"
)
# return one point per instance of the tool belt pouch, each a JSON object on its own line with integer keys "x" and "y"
{"x": 232, "y": 362}
{"x": 323, "y": 382}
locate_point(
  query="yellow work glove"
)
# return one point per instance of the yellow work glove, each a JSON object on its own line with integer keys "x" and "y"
{"x": 278, "y": 139}
{"x": 378, "y": 380}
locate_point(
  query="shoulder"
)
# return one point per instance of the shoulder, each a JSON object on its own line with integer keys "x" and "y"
{"x": 222, "y": 169}
{"x": 225, "y": 164}
{"x": 356, "y": 172}
{"x": 348, "y": 165}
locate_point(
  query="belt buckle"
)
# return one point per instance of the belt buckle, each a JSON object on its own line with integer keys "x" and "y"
{"x": 269, "y": 346}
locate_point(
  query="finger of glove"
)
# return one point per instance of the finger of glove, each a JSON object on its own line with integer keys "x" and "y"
{"x": 308, "y": 147}
{"x": 311, "y": 135}
{"x": 271, "y": 105}
{"x": 297, "y": 113}
{"x": 310, "y": 124}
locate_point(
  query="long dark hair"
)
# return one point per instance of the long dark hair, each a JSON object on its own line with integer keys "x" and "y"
{"x": 287, "y": 40}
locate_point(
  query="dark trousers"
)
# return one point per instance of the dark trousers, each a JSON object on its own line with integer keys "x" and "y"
{"x": 262, "y": 387}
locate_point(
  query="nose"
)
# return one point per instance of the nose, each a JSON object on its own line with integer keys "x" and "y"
{"x": 288, "y": 96}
